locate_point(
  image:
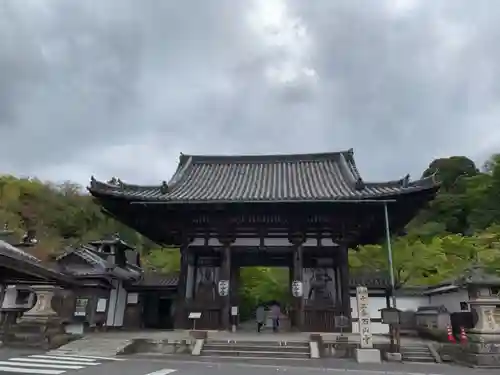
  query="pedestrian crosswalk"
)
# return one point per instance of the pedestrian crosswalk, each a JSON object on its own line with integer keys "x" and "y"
{"x": 51, "y": 363}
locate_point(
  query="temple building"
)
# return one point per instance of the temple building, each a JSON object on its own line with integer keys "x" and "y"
{"x": 298, "y": 211}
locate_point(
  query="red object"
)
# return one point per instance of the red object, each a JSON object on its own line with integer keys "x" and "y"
{"x": 451, "y": 338}
{"x": 463, "y": 336}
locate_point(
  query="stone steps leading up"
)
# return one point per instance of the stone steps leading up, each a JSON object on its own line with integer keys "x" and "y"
{"x": 417, "y": 353}
{"x": 256, "y": 349}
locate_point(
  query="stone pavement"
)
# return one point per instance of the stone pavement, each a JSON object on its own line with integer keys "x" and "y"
{"x": 149, "y": 366}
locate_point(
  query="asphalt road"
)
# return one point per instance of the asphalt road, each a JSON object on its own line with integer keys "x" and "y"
{"x": 32, "y": 362}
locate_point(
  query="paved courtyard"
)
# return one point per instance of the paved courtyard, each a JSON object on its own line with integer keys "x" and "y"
{"x": 49, "y": 364}
{"x": 31, "y": 362}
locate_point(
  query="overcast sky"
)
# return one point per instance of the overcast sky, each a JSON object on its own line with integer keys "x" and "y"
{"x": 121, "y": 87}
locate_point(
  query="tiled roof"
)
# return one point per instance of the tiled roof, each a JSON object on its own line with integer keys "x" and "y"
{"x": 97, "y": 265}
{"x": 13, "y": 252}
{"x": 31, "y": 266}
{"x": 308, "y": 177}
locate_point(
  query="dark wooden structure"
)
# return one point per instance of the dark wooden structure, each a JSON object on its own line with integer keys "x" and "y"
{"x": 298, "y": 211}
{"x": 114, "y": 291}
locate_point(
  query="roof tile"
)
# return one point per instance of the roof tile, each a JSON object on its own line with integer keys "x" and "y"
{"x": 311, "y": 177}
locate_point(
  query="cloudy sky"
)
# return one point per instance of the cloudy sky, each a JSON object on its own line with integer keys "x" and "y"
{"x": 121, "y": 87}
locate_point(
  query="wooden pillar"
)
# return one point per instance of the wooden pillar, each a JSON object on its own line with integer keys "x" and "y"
{"x": 344, "y": 278}
{"x": 180, "y": 305}
{"x": 298, "y": 271}
{"x": 235, "y": 284}
{"x": 225, "y": 276}
{"x": 338, "y": 284}
{"x": 196, "y": 261}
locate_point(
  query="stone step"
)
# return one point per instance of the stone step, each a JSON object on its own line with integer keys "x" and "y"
{"x": 418, "y": 359}
{"x": 279, "y": 344}
{"x": 257, "y": 348}
{"x": 419, "y": 350}
{"x": 255, "y": 354}
{"x": 417, "y": 353}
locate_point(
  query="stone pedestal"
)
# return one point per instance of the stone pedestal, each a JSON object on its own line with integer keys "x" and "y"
{"x": 483, "y": 346}
{"x": 41, "y": 326}
{"x": 368, "y": 356}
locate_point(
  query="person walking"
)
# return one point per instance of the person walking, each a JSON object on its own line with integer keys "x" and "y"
{"x": 260, "y": 316}
{"x": 275, "y": 316}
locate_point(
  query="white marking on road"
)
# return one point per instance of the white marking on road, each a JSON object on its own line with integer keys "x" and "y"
{"x": 164, "y": 371}
{"x": 64, "y": 358}
{"x": 55, "y": 362}
{"x": 31, "y": 370}
{"x": 42, "y": 365}
{"x": 69, "y": 355}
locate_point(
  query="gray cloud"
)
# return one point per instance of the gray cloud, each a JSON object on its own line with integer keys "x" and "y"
{"x": 121, "y": 87}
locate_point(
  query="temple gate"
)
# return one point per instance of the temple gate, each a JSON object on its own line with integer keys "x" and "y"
{"x": 298, "y": 211}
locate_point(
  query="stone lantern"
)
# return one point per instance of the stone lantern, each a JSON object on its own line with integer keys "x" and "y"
{"x": 483, "y": 347}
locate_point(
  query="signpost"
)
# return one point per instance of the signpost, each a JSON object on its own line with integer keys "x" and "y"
{"x": 223, "y": 288}
{"x": 365, "y": 330}
{"x": 297, "y": 288}
{"x": 342, "y": 322}
{"x": 392, "y": 316}
{"x": 234, "y": 316}
{"x": 194, "y": 316}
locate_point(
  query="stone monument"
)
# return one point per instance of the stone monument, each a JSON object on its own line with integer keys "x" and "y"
{"x": 366, "y": 353}
{"x": 483, "y": 346}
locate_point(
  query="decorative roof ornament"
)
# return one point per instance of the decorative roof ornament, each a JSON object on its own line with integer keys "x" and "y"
{"x": 405, "y": 182}
{"x": 29, "y": 238}
{"x": 113, "y": 181}
{"x": 164, "y": 187}
{"x": 360, "y": 185}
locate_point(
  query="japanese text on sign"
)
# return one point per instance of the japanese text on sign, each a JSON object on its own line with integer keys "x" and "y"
{"x": 223, "y": 288}
{"x": 364, "y": 321}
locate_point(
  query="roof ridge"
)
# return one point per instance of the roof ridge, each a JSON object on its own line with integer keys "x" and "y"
{"x": 264, "y": 158}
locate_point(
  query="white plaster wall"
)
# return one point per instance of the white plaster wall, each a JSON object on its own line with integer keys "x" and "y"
{"x": 375, "y": 304}
{"x": 9, "y": 300}
{"x": 411, "y": 303}
{"x": 450, "y": 300}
